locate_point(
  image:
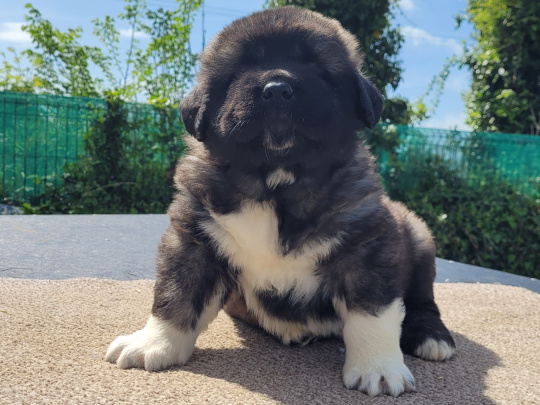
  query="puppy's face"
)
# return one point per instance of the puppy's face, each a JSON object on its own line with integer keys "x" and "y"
{"x": 280, "y": 87}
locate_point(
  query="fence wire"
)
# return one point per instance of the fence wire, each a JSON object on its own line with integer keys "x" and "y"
{"x": 40, "y": 134}
{"x": 477, "y": 159}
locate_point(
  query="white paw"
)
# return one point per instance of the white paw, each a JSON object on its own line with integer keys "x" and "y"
{"x": 374, "y": 361}
{"x": 379, "y": 376}
{"x": 437, "y": 350}
{"x": 157, "y": 346}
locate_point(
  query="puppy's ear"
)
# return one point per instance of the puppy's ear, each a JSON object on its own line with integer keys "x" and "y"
{"x": 370, "y": 102}
{"x": 192, "y": 109}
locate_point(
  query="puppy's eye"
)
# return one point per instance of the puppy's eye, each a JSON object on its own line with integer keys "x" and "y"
{"x": 328, "y": 77}
{"x": 253, "y": 56}
{"x": 228, "y": 81}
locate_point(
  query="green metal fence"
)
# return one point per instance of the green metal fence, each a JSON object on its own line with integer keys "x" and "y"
{"x": 477, "y": 159}
{"x": 40, "y": 134}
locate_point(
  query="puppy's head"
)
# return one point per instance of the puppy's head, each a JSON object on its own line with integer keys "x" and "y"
{"x": 281, "y": 85}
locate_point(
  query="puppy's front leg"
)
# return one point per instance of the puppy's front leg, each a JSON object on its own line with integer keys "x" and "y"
{"x": 374, "y": 361}
{"x": 189, "y": 292}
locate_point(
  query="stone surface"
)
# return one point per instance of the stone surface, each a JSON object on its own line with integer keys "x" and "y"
{"x": 123, "y": 247}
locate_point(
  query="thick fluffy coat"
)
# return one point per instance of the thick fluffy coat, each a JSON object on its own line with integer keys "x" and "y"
{"x": 280, "y": 215}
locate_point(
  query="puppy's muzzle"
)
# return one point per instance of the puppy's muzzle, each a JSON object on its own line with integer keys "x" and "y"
{"x": 277, "y": 97}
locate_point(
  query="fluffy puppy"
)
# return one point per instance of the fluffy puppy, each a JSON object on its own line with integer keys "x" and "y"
{"x": 280, "y": 213}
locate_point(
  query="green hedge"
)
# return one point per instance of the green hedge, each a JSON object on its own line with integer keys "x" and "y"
{"x": 119, "y": 173}
{"x": 490, "y": 225}
{"x": 478, "y": 193}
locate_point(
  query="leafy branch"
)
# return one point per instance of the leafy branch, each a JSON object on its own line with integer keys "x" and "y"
{"x": 161, "y": 71}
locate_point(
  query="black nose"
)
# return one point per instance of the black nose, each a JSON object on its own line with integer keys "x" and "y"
{"x": 277, "y": 91}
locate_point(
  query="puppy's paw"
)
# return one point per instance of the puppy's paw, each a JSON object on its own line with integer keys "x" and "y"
{"x": 157, "y": 346}
{"x": 425, "y": 335}
{"x": 436, "y": 350}
{"x": 379, "y": 376}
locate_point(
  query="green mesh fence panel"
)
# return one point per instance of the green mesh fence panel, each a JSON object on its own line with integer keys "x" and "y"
{"x": 40, "y": 134}
{"x": 477, "y": 159}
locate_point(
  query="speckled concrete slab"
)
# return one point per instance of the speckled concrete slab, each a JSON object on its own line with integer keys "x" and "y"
{"x": 123, "y": 247}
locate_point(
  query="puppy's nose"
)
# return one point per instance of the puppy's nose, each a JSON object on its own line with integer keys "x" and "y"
{"x": 277, "y": 91}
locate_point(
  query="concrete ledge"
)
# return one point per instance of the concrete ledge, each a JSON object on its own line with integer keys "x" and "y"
{"x": 123, "y": 247}
{"x": 449, "y": 271}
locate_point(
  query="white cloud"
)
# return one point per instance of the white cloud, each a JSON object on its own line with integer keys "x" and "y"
{"x": 448, "y": 121}
{"x": 12, "y": 32}
{"x": 407, "y": 5}
{"x": 420, "y": 37}
{"x": 127, "y": 33}
{"x": 458, "y": 81}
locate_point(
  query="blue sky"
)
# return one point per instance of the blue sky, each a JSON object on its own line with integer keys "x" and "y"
{"x": 428, "y": 27}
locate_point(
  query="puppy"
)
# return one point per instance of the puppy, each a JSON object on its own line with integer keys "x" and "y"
{"x": 280, "y": 212}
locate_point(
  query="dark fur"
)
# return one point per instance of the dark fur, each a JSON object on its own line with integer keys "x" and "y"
{"x": 336, "y": 192}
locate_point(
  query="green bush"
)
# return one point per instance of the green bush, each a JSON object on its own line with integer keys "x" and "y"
{"x": 489, "y": 225}
{"x": 123, "y": 172}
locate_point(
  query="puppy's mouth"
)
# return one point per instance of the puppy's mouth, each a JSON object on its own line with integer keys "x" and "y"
{"x": 279, "y": 142}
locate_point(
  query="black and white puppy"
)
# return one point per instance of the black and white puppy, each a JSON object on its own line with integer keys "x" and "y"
{"x": 280, "y": 214}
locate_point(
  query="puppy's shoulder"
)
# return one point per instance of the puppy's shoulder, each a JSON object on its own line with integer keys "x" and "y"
{"x": 195, "y": 168}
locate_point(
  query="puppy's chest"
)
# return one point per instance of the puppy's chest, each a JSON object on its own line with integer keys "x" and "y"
{"x": 250, "y": 240}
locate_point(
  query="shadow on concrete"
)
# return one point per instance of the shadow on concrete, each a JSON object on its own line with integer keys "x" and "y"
{"x": 312, "y": 374}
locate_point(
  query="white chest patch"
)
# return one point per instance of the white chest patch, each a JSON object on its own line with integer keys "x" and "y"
{"x": 249, "y": 239}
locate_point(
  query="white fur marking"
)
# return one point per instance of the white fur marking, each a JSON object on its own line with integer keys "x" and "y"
{"x": 435, "y": 350}
{"x": 159, "y": 344}
{"x": 373, "y": 352}
{"x": 278, "y": 177}
{"x": 249, "y": 239}
{"x": 294, "y": 332}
